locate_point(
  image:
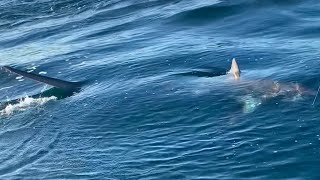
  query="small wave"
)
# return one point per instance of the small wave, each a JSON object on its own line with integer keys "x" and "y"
{"x": 6, "y": 88}
{"x": 25, "y": 103}
{"x": 208, "y": 13}
{"x": 42, "y": 72}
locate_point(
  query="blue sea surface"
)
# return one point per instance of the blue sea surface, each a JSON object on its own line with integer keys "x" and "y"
{"x": 154, "y": 105}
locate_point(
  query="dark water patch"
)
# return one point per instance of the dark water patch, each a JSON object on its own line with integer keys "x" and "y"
{"x": 32, "y": 36}
{"x": 307, "y": 31}
{"x": 266, "y": 27}
{"x": 24, "y": 138}
{"x": 20, "y": 11}
{"x": 284, "y": 3}
{"x": 126, "y": 26}
{"x": 207, "y": 14}
{"x": 133, "y": 11}
{"x": 225, "y": 17}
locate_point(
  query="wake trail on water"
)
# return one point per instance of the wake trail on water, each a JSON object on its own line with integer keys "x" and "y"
{"x": 24, "y": 104}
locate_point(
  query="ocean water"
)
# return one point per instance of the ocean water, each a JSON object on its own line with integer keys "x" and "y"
{"x": 156, "y": 104}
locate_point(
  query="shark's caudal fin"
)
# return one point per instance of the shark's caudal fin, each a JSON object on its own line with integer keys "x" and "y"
{"x": 234, "y": 70}
{"x": 65, "y": 85}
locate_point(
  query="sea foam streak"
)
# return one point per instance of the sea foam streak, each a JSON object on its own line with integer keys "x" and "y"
{"x": 25, "y": 103}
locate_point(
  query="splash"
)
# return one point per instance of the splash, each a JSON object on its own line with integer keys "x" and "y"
{"x": 250, "y": 103}
{"x": 25, "y": 103}
{"x": 42, "y": 72}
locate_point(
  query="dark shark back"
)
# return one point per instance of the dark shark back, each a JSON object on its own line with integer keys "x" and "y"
{"x": 65, "y": 85}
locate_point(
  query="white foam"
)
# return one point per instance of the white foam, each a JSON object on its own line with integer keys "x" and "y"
{"x": 6, "y": 88}
{"x": 32, "y": 67}
{"x": 25, "y": 103}
{"x": 42, "y": 72}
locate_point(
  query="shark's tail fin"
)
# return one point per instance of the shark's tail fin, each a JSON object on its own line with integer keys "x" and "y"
{"x": 234, "y": 70}
{"x": 65, "y": 85}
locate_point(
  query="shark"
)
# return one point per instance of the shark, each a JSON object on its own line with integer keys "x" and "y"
{"x": 259, "y": 92}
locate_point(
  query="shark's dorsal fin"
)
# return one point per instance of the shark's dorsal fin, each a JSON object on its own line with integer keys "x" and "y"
{"x": 234, "y": 70}
{"x": 65, "y": 85}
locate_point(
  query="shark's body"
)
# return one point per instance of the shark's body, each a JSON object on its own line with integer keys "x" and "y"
{"x": 258, "y": 92}
{"x": 270, "y": 88}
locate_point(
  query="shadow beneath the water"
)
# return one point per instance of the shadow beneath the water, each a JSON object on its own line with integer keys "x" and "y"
{"x": 208, "y": 72}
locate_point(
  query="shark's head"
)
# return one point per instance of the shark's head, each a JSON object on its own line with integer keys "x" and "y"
{"x": 234, "y": 70}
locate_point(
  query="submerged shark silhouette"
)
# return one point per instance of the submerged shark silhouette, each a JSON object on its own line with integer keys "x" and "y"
{"x": 253, "y": 93}
{"x": 210, "y": 72}
{"x": 258, "y": 92}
